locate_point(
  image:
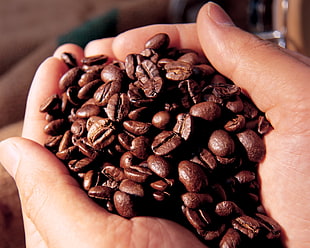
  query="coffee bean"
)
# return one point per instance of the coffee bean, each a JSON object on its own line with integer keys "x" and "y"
{"x": 184, "y": 126}
{"x": 165, "y": 142}
{"x": 231, "y": 239}
{"x": 118, "y": 107}
{"x": 221, "y": 143}
{"x": 196, "y": 200}
{"x": 253, "y": 145}
{"x": 159, "y": 165}
{"x": 69, "y": 59}
{"x": 159, "y": 41}
{"x": 94, "y": 60}
{"x": 101, "y": 192}
{"x": 137, "y": 127}
{"x": 161, "y": 119}
{"x": 247, "y": 225}
{"x": 192, "y": 176}
{"x": 70, "y": 78}
{"x": 131, "y": 187}
{"x": 178, "y": 70}
{"x": 208, "y": 111}
{"x": 124, "y": 204}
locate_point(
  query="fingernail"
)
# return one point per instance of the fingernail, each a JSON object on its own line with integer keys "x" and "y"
{"x": 218, "y": 15}
{"x": 9, "y": 157}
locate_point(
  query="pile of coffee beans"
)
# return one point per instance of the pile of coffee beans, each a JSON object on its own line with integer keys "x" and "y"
{"x": 164, "y": 134}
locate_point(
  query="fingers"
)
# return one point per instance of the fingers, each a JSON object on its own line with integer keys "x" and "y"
{"x": 52, "y": 201}
{"x": 274, "y": 79}
{"x": 102, "y": 46}
{"x": 45, "y": 83}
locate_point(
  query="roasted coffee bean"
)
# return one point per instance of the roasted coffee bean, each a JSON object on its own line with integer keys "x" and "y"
{"x": 131, "y": 62}
{"x": 137, "y": 127}
{"x": 118, "y": 107}
{"x": 221, "y": 143}
{"x": 135, "y": 175}
{"x": 208, "y": 159}
{"x": 100, "y": 134}
{"x": 149, "y": 77}
{"x": 231, "y": 239}
{"x": 80, "y": 165}
{"x": 191, "y": 91}
{"x": 235, "y": 105}
{"x": 125, "y": 140}
{"x": 196, "y": 200}
{"x": 94, "y": 60}
{"x": 271, "y": 227}
{"x": 161, "y": 119}
{"x": 90, "y": 179}
{"x": 191, "y": 58}
{"x": 55, "y": 127}
{"x": 236, "y": 124}
{"x": 70, "y": 78}
{"x": 159, "y": 185}
{"x": 130, "y": 187}
{"x": 65, "y": 141}
{"x": 178, "y": 70}
{"x": 53, "y": 142}
{"x": 113, "y": 172}
{"x": 159, "y": 41}
{"x": 139, "y": 114}
{"x": 159, "y": 165}
{"x": 86, "y": 91}
{"x": 253, "y": 145}
{"x": 227, "y": 208}
{"x": 140, "y": 147}
{"x": 124, "y": 204}
{"x": 226, "y": 90}
{"x": 263, "y": 125}
{"x": 68, "y": 153}
{"x": 245, "y": 176}
{"x": 69, "y": 59}
{"x": 247, "y": 225}
{"x": 194, "y": 218}
{"x": 208, "y": 111}
{"x": 50, "y": 103}
{"x": 86, "y": 148}
{"x": 184, "y": 126}
{"x": 87, "y": 111}
{"x": 78, "y": 127}
{"x": 101, "y": 192}
{"x": 126, "y": 160}
{"x": 211, "y": 235}
{"x": 165, "y": 142}
{"x": 192, "y": 176}
{"x": 105, "y": 91}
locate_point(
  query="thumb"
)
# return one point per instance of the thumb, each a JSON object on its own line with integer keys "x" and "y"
{"x": 51, "y": 199}
{"x": 272, "y": 77}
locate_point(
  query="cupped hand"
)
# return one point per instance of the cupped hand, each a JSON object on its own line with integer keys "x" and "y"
{"x": 57, "y": 213}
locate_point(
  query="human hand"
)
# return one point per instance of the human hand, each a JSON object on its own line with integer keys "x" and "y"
{"x": 56, "y": 211}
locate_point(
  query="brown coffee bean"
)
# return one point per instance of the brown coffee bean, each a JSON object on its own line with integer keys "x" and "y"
{"x": 78, "y": 127}
{"x": 191, "y": 91}
{"x": 140, "y": 147}
{"x": 208, "y": 111}
{"x": 65, "y": 141}
{"x": 165, "y": 142}
{"x": 130, "y": 187}
{"x": 149, "y": 78}
{"x": 101, "y": 192}
{"x": 68, "y": 153}
{"x": 184, "y": 126}
{"x": 159, "y": 41}
{"x": 126, "y": 160}
{"x": 221, "y": 143}
{"x": 270, "y": 226}
{"x": 94, "y": 60}
{"x": 159, "y": 185}
{"x": 178, "y": 70}
{"x": 55, "y": 127}
{"x": 159, "y": 165}
{"x": 231, "y": 239}
{"x": 208, "y": 159}
{"x": 90, "y": 179}
{"x": 227, "y": 208}
{"x": 124, "y": 204}
{"x": 253, "y": 145}
{"x": 196, "y": 200}
{"x": 235, "y": 105}
{"x": 81, "y": 165}
{"x": 113, "y": 172}
{"x": 69, "y": 59}
{"x": 161, "y": 119}
{"x": 235, "y": 124}
{"x": 137, "y": 174}
{"x": 88, "y": 89}
{"x": 247, "y": 225}
{"x": 131, "y": 62}
{"x": 118, "y": 107}
{"x": 50, "y": 103}
{"x": 100, "y": 134}
{"x": 192, "y": 176}
{"x": 139, "y": 114}
{"x": 245, "y": 176}
{"x": 105, "y": 91}
{"x": 137, "y": 127}
{"x": 87, "y": 111}
{"x": 70, "y": 78}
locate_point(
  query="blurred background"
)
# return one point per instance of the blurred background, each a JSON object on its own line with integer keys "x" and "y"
{"x": 31, "y": 30}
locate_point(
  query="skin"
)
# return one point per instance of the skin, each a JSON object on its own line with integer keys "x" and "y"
{"x": 277, "y": 80}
